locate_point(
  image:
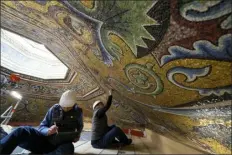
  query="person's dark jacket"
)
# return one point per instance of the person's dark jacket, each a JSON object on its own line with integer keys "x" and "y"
{"x": 99, "y": 121}
{"x": 48, "y": 119}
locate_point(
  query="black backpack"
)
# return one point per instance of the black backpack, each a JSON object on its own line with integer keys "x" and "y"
{"x": 66, "y": 121}
{"x": 67, "y": 125}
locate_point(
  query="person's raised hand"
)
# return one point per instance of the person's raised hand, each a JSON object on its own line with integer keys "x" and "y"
{"x": 53, "y": 129}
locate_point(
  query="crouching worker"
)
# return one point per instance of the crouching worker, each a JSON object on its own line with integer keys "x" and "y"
{"x": 103, "y": 135}
{"x": 61, "y": 126}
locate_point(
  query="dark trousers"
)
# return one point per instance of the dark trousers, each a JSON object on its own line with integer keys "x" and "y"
{"x": 109, "y": 138}
{"x": 32, "y": 140}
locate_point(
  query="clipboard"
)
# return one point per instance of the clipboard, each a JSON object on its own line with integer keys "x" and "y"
{"x": 63, "y": 137}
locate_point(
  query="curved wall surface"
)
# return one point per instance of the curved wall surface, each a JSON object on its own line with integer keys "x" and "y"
{"x": 168, "y": 60}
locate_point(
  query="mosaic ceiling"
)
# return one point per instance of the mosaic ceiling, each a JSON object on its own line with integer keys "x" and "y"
{"x": 169, "y": 62}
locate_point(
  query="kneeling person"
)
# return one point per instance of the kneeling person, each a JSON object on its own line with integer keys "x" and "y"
{"x": 103, "y": 135}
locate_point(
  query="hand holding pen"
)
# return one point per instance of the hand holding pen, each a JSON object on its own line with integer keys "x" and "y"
{"x": 53, "y": 129}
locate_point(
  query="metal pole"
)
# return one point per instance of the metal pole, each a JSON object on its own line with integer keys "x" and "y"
{"x": 10, "y": 111}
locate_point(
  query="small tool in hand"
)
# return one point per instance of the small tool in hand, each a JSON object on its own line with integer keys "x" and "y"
{"x": 56, "y": 129}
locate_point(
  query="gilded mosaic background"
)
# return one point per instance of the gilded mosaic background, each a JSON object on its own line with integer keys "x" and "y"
{"x": 168, "y": 60}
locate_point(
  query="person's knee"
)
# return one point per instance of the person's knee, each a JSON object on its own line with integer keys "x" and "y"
{"x": 20, "y": 131}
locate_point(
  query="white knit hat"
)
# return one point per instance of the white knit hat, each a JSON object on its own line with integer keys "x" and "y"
{"x": 68, "y": 99}
{"x": 96, "y": 103}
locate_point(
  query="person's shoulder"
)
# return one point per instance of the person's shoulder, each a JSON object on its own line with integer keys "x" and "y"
{"x": 55, "y": 106}
{"x": 96, "y": 110}
{"x": 77, "y": 108}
